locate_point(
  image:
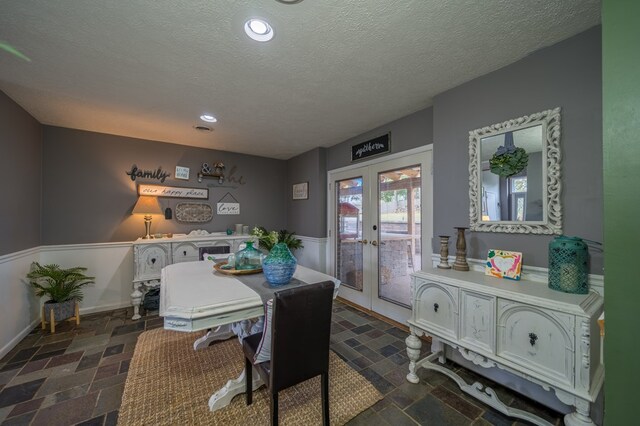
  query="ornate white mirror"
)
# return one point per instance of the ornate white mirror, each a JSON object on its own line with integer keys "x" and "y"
{"x": 514, "y": 175}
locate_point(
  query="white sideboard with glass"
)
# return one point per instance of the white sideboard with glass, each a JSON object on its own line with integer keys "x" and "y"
{"x": 151, "y": 255}
{"x": 544, "y": 336}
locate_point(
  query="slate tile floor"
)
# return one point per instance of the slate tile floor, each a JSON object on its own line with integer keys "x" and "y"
{"x": 77, "y": 375}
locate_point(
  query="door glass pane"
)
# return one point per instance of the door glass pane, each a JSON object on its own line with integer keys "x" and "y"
{"x": 349, "y": 232}
{"x": 399, "y": 245}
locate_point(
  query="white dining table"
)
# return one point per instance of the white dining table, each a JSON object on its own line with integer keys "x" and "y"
{"x": 194, "y": 297}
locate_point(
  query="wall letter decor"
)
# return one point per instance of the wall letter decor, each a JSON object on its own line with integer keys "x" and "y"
{"x": 159, "y": 174}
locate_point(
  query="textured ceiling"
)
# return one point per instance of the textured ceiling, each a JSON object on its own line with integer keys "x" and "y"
{"x": 336, "y": 68}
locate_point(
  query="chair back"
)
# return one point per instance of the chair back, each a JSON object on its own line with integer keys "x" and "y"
{"x": 301, "y": 328}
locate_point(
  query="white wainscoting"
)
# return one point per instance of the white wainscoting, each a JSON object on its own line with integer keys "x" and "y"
{"x": 533, "y": 273}
{"x": 18, "y": 305}
{"x": 110, "y": 263}
{"x": 314, "y": 253}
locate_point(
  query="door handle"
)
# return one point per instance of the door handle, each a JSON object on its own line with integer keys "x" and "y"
{"x": 374, "y": 243}
{"x": 363, "y": 241}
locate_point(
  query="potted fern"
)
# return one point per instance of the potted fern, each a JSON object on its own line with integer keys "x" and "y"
{"x": 63, "y": 287}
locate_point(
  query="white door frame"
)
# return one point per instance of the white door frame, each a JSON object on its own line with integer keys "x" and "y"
{"x": 426, "y": 203}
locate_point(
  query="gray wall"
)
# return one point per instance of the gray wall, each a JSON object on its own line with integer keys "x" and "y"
{"x": 308, "y": 217}
{"x": 408, "y": 132}
{"x": 87, "y": 197}
{"x": 567, "y": 75}
{"x": 21, "y": 174}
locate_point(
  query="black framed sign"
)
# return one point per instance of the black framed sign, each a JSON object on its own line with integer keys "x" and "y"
{"x": 370, "y": 148}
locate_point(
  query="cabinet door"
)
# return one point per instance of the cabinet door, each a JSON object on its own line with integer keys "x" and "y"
{"x": 540, "y": 340}
{"x": 477, "y": 320}
{"x": 436, "y": 308}
{"x": 185, "y": 252}
{"x": 150, "y": 259}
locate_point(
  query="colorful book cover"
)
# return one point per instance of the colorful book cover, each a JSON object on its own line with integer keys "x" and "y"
{"x": 504, "y": 264}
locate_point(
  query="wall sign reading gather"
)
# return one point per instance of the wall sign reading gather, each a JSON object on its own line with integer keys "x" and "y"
{"x": 159, "y": 174}
{"x": 173, "y": 191}
{"x": 377, "y": 146}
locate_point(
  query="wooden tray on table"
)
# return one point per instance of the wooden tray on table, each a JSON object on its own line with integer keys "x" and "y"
{"x": 218, "y": 267}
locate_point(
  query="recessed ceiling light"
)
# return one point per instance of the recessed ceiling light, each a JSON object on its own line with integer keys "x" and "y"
{"x": 203, "y": 128}
{"x": 258, "y": 29}
{"x": 208, "y": 118}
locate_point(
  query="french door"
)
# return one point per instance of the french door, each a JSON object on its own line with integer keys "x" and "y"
{"x": 380, "y": 230}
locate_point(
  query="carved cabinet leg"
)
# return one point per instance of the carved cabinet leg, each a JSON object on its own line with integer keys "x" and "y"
{"x": 413, "y": 352}
{"x": 136, "y": 300}
{"x": 580, "y": 417}
{"x": 438, "y": 347}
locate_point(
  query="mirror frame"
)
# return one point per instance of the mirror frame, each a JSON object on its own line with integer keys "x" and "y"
{"x": 551, "y": 222}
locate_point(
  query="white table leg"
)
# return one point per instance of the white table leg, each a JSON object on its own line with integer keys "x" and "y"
{"x": 234, "y": 387}
{"x": 222, "y": 332}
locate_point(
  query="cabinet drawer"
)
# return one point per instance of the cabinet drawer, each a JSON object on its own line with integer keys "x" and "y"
{"x": 540, "y": 340}
{"x": 478, "y": 320}
{"x": 435, "y": 307}
{"x": 151, "y": 258}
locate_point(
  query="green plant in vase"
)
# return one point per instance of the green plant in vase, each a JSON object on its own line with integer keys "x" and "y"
{"x": 63, "y": 287}
{"x": 268, "y": 239}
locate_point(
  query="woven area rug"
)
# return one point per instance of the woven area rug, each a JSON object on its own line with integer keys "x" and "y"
{"x": 170, "y": 384}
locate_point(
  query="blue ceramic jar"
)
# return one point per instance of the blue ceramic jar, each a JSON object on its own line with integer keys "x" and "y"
{"x": 568, "y": 265}
{"x": 279, "y": 265}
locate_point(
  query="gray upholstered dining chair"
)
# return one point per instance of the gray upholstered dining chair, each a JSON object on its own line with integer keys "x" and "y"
{"x": 301, "y": 327}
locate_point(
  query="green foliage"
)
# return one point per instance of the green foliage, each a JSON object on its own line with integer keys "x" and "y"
{"x": 269, "y": 239}
{"x": 58, "y": 284}
{"x": 386, "y": 196}
{"x": 507, "y": 164}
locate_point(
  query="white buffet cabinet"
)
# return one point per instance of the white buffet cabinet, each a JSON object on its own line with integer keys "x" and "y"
{"x": 544, "y": 336}
{"x": 151, "y": 255}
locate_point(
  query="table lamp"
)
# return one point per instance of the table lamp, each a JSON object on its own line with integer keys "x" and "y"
{"x": 147, "y": 206}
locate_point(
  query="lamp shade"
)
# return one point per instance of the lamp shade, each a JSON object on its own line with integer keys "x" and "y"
{"x": 147, "y": 205}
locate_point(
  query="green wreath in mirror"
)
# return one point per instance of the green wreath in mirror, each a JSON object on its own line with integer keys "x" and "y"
{"x": 509, "y": 161}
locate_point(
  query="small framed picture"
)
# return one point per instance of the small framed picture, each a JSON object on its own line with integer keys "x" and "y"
{"x": 504, "y": 264}
{"x": 301, "y": 191}
{"x": 182, "y": 173}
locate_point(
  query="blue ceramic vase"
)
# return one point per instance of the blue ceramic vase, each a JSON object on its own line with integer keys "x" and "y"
{"x": 279, "y": 265}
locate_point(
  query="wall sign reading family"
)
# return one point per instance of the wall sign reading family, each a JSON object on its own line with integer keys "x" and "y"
{"x": 173, "y": 191}
{"x": 377, "y": 146}
{"x": 159, "y": 174}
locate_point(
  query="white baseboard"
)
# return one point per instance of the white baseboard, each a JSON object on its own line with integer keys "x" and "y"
{"x": 19, "y": 306}
{"x": 21, "y": 335}
{"x": 532, "y": 273}
{"x": 103, "y": 308}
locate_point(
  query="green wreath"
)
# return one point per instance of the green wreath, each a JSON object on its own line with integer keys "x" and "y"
{"x": 509, "y": 161}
